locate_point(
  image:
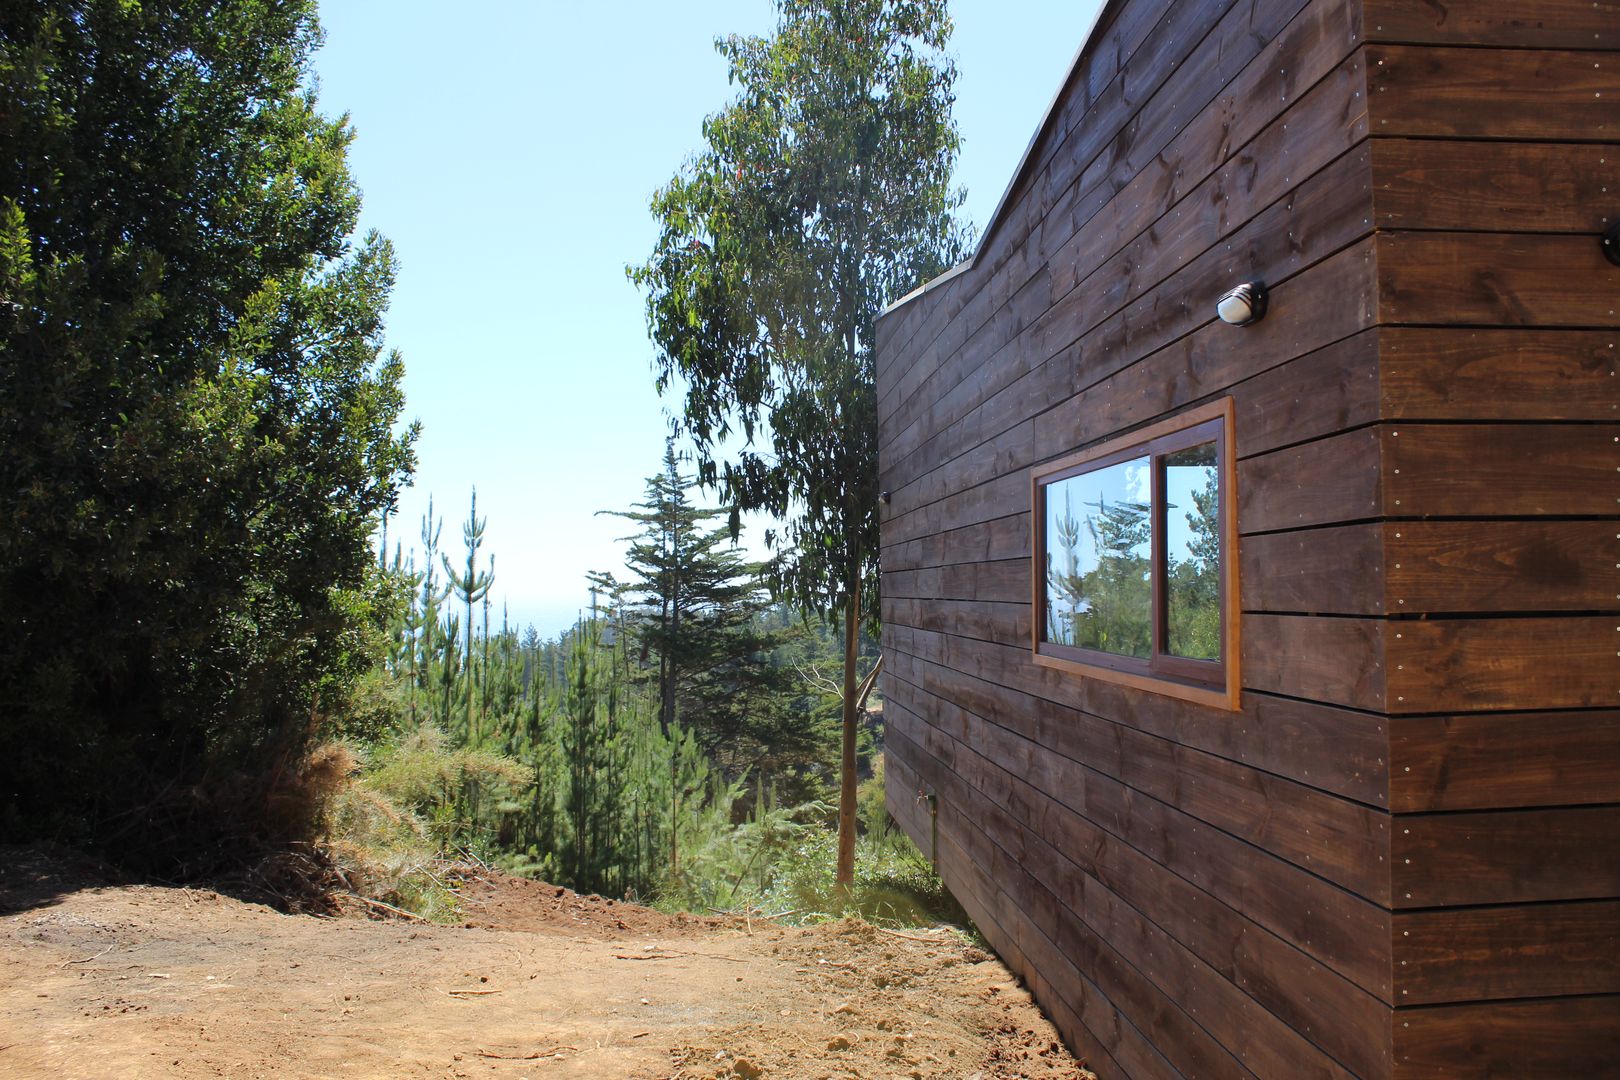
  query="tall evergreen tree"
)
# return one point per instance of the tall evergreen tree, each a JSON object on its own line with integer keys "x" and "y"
{"x": 697, "y": 614}
{"x": 197, "y": 420}
{"x": 471, "y": 586}
{"x": 822, "y": 193}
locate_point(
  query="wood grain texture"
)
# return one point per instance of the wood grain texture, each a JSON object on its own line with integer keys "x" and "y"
{"x": 1495, "y": 186}
{"x": 1487, "y": 470}
{"x": 1328, "y": 748}
{"x": 1461, "y": 665}
{"x": 1477, "y": 954}
{"x": 1084, "y": 885}
{"x": 1170, "y": 865}
{"x": 1492, "y": 761}
{"x": 1336, "y": 660}
{"x": 1496, "y": 279}
{"x": 1073, "y": 1002}
{"x": 1144, "y": 56}
{"x": 996, "y": 540}
{"x": 1495, "y": 566}
{"x": 1054, "y": 746}
{"x": 1127, "y": 317}
{"x": 1533, "y": 95}
{"x": 1335, "y": 571}
{"x": 1428, "y": 432}
{"x": 1498, "y": 374}
{"x": 1108, "y": 995}
{"x": 1545, "y": 24}
{"x": 1507, "y": 857}
{"x": 1558, "y": 1039}
{"x": 1331, "y": 480}
{"x": 1195, "y": 216}
{"x": 1313, "y": 314}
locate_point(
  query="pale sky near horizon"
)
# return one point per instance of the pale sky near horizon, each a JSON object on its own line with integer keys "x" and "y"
{"x": 509, "y": 151}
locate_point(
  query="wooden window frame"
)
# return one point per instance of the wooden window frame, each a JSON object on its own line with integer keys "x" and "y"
{"x": 1207, "y": 682}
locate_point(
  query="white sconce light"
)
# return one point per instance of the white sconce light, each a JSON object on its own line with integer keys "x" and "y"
{"x": 1611, "y": 243}
{"x": 1243, "y": 305}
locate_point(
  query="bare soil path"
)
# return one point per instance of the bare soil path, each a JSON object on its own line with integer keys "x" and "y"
{"x": 142, "y": 981}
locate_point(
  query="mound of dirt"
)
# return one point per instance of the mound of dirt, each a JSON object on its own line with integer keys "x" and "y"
{"x": 143, "y": 981}
{"x": 496, "y": 901}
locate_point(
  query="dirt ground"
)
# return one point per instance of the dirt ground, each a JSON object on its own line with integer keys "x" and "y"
{"x": 143, "y": 981}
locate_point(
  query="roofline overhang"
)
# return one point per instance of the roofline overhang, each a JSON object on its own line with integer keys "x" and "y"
{"x": 1104, "y": 16}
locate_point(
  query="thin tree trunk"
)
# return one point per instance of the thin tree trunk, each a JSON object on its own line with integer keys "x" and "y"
{"x": 846, "y": 786}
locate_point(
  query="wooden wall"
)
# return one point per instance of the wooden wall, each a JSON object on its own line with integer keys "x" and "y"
{"x": 1496, "y": 164}
{"x": 1401, "y": 858}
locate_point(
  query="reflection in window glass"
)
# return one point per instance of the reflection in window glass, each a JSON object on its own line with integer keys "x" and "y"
{"x": 1192, "y": 550}
{"x": 1099, "y": 585}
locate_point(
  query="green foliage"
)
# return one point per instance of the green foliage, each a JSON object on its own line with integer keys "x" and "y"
{"x": 197, "y": 416}
{"x": 782, "y": 861}
{"x": 697, "y": 610}
{"x": 570, "y": 773}
{"x": 823, "y": 192}
{"x": 1194, "y": 607}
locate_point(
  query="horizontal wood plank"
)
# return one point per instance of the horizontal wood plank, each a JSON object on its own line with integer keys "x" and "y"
{"x": 1476, "y": 954}
{"x": 1107, "y": 994}
{"x": 1546, "y": 24}
{"x": 1558, "y": 1039}
{"x": 1337, "y": 571}
{"x": 1534, "y": 95}
{"x": 987, "y": 541}
{"x": 1090, "y": 892}
{"x": 1507, "y": 857}
{"x": 1497, "y": 566}
{"x": 1494, "y": 760}
{"x": 1311, "y": 315}
{"x": 1122, "y": 320}
{"x": 1173, "y": 867}
{"x": 1332, "y": 749}
{"x": 1489, "y": 470}
{"x": 1052, "y": 745}
{"x": 1335, "y": 660}
{"x": 1460, "y": 665}
{"x": 1319, "y": 483}
{"x": 1496, "y": 279}
{"x": 1499, "y": 374}
{"x": 1072, "y": 1002}
{"x": 1495, "y": 186}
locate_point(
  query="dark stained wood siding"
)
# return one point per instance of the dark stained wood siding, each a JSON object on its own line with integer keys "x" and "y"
{"x": 1496, "y": 164}
{"x": 1397, "y": 858}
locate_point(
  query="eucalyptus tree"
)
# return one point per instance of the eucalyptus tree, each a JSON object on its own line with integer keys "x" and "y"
{"x": 823, "y": 192}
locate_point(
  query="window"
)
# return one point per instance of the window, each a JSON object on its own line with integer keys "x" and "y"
{"x": 1135, "y": 576}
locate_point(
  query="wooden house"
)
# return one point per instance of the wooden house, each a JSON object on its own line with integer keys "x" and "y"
{"x": 1258, "y": 686}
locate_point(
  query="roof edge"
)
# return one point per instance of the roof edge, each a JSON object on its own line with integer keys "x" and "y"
{"x": 1104, "y": 12}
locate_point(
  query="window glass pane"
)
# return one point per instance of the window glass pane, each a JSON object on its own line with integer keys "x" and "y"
{"x": 1099, "y": 589}
{"x": 1192, "y": 547}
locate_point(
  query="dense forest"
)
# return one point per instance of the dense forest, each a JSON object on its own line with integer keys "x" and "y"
{"x": 221, "y": 652}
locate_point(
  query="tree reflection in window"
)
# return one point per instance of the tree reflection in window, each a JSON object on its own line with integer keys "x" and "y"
{"x": 1193, "y": 552}
{"x": 1134, "y": 575}
{"x": 1099, "y": 560}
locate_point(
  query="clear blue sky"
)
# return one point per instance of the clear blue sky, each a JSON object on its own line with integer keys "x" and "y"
{"x": 509, "y": 151}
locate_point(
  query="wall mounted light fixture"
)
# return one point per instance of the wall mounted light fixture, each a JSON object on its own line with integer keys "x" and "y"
{"x": 1611, "y": 242}
{"x": 885, "y": 497}
{"x": 1243, "y": 305}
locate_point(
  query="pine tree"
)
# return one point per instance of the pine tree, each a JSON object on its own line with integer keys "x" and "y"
{"x": 470, "y": 586}
{"x": 823, "y": 193}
